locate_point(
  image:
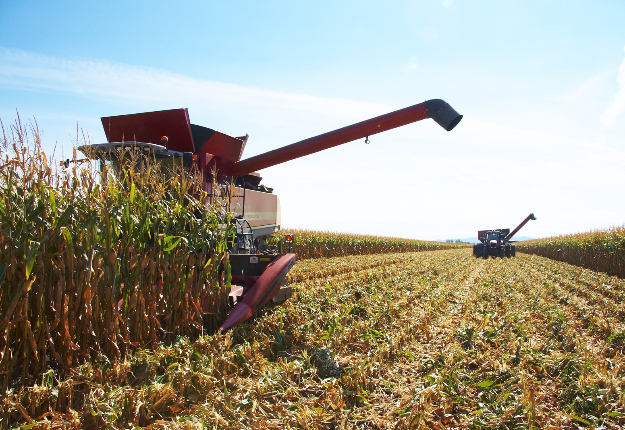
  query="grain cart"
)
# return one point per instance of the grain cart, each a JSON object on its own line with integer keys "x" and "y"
{"x": 258, "y": 272}
{"x": 497, "y": 243}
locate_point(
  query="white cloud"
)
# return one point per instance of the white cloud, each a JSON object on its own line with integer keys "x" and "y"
{"x": 276, "y": 116}
{"x": 617, "y": 107}
{"x": 109, "y": 80}
{"x": 590, "y": 88}
{"x": 411, "y": 67}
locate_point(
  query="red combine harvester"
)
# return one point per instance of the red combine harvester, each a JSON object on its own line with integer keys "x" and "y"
{"x": 258, "y": 272}
{"x": 497, "y": 243}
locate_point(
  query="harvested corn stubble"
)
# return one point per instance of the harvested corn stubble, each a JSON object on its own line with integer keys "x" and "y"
{"x": 411, "y": 340}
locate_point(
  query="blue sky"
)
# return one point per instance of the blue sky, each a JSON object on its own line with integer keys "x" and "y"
{"x": 541, "y": 85}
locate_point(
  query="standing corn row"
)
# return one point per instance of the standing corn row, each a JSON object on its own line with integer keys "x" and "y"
{"x": 603, "y": 251}
{"x": 317, "y": 244}
{"x": 92, "y": 264}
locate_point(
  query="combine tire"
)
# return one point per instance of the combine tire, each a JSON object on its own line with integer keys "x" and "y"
{"x": 485, "y": 251}
{"x": 478, "y": 250}
{"x": 475, "y": 249}
{"x": 502, "y": 252}
{"x": 513, "y": 250}
{"x": 508, "y": 250}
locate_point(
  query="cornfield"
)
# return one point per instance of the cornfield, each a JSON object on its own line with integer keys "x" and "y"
{"x": 602, "y": 250}
{"x": 426, "y": 340}
{"x": 94, "y": 265}
{"x": 112, "y": 285}
{"x": 320, "y": 244}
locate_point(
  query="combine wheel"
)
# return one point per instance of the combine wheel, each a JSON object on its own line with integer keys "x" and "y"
{"x": 484, "y": 251}
{"x": 513, "y": 250}
{"x": 508, "y": 250}
{"x": 502, "y": 252}
{"x": 475, "y": 249}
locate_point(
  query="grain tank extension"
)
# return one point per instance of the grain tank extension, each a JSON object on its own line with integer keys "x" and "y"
{"x": 497, "y": 243}
{"x": 258, "y": 272}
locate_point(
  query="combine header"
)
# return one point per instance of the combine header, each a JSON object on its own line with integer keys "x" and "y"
{"x": 258, "y": 272}
{"x": 497, "y": 243}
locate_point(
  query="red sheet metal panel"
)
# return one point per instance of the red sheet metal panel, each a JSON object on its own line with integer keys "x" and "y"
{"x": 150, "y": 127}
{"x": 481, "y": 235}
{"x": 222, "y": 144}
{"x": 265, "y": 288}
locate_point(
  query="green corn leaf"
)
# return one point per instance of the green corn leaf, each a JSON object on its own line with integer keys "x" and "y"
{"x": 62, "y": 220}
{"x": 30, "y": 258}
{"x": 68, "y": 240}
{"x": 576, "y": 418}
{"x": 52, "y": 201}
{"x": 376, "y": 333}
{"x": 170, "y": 245}
{"x": 34, "y": 213}
{"x": 132, "y": 193}
{"x": 3, "y": 212}
{"x": 486, "y": 383}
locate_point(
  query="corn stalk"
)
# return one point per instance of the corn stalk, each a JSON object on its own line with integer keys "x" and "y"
{"x": 96, "y": 263}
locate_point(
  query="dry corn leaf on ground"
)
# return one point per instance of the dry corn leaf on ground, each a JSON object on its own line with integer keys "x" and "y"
{"x": 415, "y": 340}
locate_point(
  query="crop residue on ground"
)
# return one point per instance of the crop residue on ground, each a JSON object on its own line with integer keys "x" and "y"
{"x": 430, "y": 339}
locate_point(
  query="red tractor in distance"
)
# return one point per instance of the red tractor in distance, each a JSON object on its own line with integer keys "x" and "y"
{"x": 496, "y": 243}
{"x": 258, "y": 272}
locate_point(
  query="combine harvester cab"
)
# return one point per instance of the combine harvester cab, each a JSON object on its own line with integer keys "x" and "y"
{"x": 258, "y": 272}
{"x": 497, "y": 243}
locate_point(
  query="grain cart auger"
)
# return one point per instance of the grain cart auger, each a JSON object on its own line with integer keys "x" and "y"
{"x": 497, "y": 243}
{"x": 258, "y": 272}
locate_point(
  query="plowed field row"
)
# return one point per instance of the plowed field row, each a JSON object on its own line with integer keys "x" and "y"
{"x": 429, "y": 339}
